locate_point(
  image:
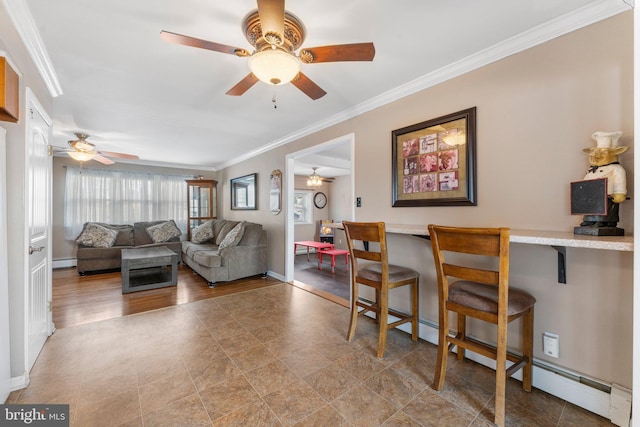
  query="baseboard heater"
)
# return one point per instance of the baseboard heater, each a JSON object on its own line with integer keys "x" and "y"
{"x": 64, "y": 263}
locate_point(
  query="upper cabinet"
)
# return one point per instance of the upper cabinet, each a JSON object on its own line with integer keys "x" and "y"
{"x": 9, "y": 92}
{"x": 201, "y": 195}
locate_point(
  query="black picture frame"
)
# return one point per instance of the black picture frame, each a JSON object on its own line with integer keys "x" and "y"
{"x": 434, "y": 162}
{"x": 243, "y": 192}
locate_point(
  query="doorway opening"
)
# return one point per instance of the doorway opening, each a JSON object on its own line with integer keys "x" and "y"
{"x": 333, "y": 162}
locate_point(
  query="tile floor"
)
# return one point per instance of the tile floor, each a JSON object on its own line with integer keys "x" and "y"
{"x": 275, "y": 356}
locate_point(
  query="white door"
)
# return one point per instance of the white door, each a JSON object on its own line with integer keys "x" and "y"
{"x": 38, "y": 193}
{"x": 5, "y": 354}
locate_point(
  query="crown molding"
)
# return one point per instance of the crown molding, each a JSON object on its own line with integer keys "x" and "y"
{"x": 22, "y": 20}
{"x": 587, "y": 15}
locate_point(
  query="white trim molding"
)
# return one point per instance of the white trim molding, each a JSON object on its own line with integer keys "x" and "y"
{"x": 20, "y": 15}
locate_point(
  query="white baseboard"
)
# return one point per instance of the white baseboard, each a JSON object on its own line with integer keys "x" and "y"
{"x": 64, "y": 263}
{"x": 275, "y": 275}
{"x": 20, "y": 382}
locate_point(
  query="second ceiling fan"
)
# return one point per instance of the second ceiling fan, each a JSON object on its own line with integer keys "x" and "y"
{"x": 275, "y": 35}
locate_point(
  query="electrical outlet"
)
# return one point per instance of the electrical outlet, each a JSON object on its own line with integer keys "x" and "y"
{"x": 551, "y": 344}
{"x": 358, "y": 202}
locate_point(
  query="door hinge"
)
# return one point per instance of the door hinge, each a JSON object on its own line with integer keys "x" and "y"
{"x": 50, "y": 150}
{"x": 49, "y": 306}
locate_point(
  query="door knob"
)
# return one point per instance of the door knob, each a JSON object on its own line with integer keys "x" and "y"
{"x": 32, "y": 249}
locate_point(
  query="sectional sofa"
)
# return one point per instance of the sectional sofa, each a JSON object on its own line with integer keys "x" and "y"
{"x": 222, "y": 250}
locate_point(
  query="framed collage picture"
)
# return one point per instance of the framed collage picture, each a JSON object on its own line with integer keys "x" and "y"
{"x": 434, "y": 162}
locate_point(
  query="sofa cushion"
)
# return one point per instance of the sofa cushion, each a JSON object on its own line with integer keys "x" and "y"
{"x": 209, "y": 258}
{"x": 97, "y": 236}
{"x": 202, "y": 233}
{"x": 140, "y": 235}
{"x": 163, "y": 232}
{"x": 227, "y": 226}
{"x": 233, "y": 237}
{"x": 252, "y": 234}
{"x": 190, "y": 248}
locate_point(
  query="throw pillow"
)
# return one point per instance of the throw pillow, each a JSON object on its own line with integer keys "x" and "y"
{"x": 163, "y": 232}
{"x": 97, "y": 236}
{"x": 233, "y": 237}
{"x": 202, "y": 233}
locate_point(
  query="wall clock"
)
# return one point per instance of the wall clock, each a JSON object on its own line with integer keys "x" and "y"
{"x": 320, "y": 200}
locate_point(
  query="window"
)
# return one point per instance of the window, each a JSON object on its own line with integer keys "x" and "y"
{"x": 302, "y": 207}
{"x": 122, "y": 197}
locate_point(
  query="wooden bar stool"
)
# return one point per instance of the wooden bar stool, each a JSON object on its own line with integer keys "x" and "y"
{"x": 371, "y": 267}
{"x": 483, "y": 294}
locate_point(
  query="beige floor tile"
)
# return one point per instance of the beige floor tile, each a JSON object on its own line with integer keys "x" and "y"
{"x": 256, "y": 413}
{"x": 157, "y": 366}
{"x": 160, "y": 393}
{"x": 574, "y": 416}
{"x": 429, "y": 409}
{"x": 294, "y": 402}
{"x": 113, "y": 410}
{"x": 363, "y": 407}
{"x": 395, "y": 387}
{"x": 465, "y": 394}
{"x": 325, "y": 416}
{"x": 361, "y": 364}
{"x": 401, "y": 419}
{"x": 331, "y": 381}
{"x": 305, "y": 361}
{"x": 216, "y": 371}
{"x": 185, "y": 412}
{"x": 228, "y": 396}
{"x": 253, "y": 357}
{"x": 270, "y": 378}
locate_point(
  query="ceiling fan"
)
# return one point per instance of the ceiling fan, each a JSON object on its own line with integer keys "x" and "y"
{"x": 275, "y": 35}
{"x": 83, "y": 150}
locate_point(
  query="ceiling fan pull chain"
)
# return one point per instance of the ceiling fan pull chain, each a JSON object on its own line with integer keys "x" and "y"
{"x": 274, "y": 99}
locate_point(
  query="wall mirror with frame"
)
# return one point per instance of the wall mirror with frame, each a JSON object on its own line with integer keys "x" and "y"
{"x": 243, "y": 192}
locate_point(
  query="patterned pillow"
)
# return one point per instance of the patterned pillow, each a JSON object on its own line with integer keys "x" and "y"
{"x": 233, "y": 237}
{"x": 97, "y": 236}
{"x": 202, "y": 233}
{"x": 163, "y": 232}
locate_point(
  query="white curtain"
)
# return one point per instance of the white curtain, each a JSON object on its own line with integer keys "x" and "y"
{"x": 122, "y": 197}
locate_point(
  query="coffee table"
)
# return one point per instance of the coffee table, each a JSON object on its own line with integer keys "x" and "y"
{"x": 311, "y": 244}
{"x": 147, "y": 268}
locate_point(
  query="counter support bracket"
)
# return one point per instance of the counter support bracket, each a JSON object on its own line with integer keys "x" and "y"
{"x": 562, "y": 263}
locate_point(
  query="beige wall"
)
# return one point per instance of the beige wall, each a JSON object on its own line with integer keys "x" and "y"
{"x": 64, "y": 249}
{"x": 536, "y": 112}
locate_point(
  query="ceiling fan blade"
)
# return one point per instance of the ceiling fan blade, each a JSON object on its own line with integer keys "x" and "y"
{"x": 202, "y": 44}
{"x": 119, "y": 155}
{"x": 271, "y": 13}
{"x": 339, "y": 52}
{"x": 306, "y": 85}
{"x": 243, "y": 86}
{"x": 103, "y": 160}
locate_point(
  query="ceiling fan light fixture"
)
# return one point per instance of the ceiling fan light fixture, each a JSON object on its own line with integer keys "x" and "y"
{"x": 274, "y": 66}
{"x": 314, "y": 179}
{"x": 82, "y": 156}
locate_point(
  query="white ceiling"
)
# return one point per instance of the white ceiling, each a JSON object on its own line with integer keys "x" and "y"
{"x": 134, "y": 93}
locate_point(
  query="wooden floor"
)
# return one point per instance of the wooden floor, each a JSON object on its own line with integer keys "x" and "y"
{"x": 77, "y": 300}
